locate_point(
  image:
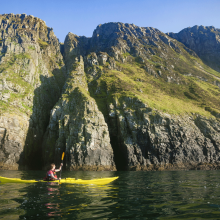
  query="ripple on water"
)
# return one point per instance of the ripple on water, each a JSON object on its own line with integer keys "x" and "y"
{"x": 135, "y": 195}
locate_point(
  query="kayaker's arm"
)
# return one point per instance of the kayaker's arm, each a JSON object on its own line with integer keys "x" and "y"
{"x": 57, "y": 170}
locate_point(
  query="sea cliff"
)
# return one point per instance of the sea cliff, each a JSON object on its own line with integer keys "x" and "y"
{"x": 128, "y": 98}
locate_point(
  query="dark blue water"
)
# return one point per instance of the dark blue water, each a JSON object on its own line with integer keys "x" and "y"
{"x": 135, "y": 195}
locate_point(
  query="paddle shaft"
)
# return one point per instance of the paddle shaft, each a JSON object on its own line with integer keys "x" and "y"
{"x": 60, "y": 173}
{"x": 61, "y": 166}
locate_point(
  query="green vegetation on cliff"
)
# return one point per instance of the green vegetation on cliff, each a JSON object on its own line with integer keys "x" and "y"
{"x": 15, "y": 87}
{"x": 131, "y": 75}
{"x": 189, "y": 95}
{"x": 43, "y": 44}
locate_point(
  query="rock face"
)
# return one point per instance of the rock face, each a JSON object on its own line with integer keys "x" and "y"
{"x": 12, "y": 134}
{"x": 144, "y": 138}
{"x": 151, "y": 140}
{"x": 128, "y": 98}
{"x": 76, "y": 125}
{"x": 202, "y": 40}
{"x": 31, "y": 79}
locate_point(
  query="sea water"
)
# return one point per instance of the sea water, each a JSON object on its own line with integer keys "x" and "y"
{"x": 135, "y": 195}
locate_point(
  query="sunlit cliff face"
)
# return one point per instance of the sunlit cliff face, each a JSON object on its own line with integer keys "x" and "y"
{"x": 128, "y": 98}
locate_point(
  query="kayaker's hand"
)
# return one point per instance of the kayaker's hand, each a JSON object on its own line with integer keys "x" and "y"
{"x": 59, "y": 178}
{"x": 61, "y": 164}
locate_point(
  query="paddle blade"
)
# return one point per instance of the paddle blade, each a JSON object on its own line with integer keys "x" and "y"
{"x": 62, "y": 156}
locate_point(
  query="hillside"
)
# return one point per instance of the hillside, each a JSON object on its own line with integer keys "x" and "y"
{"x": 204, "y": 41}
{"x": 32, "y": 76}
{"x": 128, "y": 98}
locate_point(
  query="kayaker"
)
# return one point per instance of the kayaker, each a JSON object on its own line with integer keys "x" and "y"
{"x": 51, "y": 174}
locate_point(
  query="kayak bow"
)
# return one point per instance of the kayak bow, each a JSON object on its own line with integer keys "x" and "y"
{"x": 101, "y": 181}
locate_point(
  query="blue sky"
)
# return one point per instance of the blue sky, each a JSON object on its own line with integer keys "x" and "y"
{"x": 81, "y": 17}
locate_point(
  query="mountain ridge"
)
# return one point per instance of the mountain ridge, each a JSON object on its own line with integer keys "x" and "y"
{"x": 128, "y": 98}
{"x": 207, "y": 36}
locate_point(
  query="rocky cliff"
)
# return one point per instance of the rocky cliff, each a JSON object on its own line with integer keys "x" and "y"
{"x": 128, "y": 98}
{"x": 76, "y": 126}
{"x": 204, "y": 41}
{"x": 150, "y": 89}
{"x": 32, "y": 76}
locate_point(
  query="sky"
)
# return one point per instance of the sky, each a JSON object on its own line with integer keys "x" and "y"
{"x": 81, "y": 17}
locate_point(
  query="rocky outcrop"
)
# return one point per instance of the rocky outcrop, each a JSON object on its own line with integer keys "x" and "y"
{"x": 152, "y": 140}
{"x": 142, "y": 137}
{"x": 32, "y": 75}
{"x": 128, "y": 98}
{"x": 77, "y": 127}
{"x": 117, "y": 39}
{"x": 160, "y": 54}
{"x": 204, "y": 41}
{"x": 13, "y": 130}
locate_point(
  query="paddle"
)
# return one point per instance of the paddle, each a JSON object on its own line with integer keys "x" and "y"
{"x": 62, "y": 163}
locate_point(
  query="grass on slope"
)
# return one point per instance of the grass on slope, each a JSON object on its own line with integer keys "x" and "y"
{"x": 190, "y": 96}
{"x": 7, "y": 70}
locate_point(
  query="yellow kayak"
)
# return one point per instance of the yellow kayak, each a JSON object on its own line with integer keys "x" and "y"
{"x": 101, "y": 181}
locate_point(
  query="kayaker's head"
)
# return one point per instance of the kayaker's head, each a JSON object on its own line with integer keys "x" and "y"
{"x": 52, "y": 166}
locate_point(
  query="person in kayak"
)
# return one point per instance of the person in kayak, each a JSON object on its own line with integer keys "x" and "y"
{"x": 51, "y": 174}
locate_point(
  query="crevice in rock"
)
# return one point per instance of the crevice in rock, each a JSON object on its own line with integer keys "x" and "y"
{"x": 207, "y": 136}
{"x": 3, "y": 137}
{"x": 116, "y": 140}
{"x": 143, "y": 141}
{"x": 43, "y": 102}
{"x": 62, "y": 50}
{"x": 119, "y": 149}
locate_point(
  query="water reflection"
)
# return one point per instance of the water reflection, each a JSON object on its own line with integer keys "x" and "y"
{"x": 52, "y": 200}
{"x": 10, "y": 201}
{"x": 53, "y": 208}
{"x": 135, "y": 195}
{"x": 52, "y": 191}
{"x": 88, "y": 201}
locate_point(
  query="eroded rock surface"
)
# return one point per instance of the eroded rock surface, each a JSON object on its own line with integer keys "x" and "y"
{"x": 129, "y": 97}
{"x": 13, "y": 130}
{"x": 32, "y": 76}
{"x": 204, "y": 41}
{"x": 77, "y": 127}
{"x": 155, "y": 141}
